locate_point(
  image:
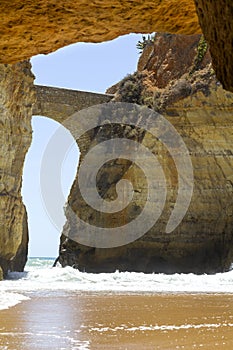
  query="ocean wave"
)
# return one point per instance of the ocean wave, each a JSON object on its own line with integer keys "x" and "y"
{"x": 9, "y": 299}
{"x": 41, "y": 276}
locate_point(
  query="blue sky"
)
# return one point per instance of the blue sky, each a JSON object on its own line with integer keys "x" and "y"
{"x": 89, "y": 67}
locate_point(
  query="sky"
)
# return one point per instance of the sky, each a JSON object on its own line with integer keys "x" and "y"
{"x": 81, "y": 66}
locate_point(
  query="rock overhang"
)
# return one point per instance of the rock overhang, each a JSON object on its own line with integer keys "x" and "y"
{"x": 42, "y": 26}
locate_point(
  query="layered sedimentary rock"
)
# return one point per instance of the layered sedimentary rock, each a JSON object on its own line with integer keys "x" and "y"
{"x": 194, "y": 102}
{"x": 40, "y": 26}
{"x": 16, "y": 100}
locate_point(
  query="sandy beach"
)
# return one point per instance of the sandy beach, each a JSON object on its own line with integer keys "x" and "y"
{"x": 119, "y": 321}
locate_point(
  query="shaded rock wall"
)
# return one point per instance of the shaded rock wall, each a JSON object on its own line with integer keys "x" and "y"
{"x": 16, "y": 99}
{"x": 215, "y": 18}
{"x": 201, "y": 111}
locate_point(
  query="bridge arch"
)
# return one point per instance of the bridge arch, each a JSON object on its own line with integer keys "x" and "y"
{"x": 53, "y": 106}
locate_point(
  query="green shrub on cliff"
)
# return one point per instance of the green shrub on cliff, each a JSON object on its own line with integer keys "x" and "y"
{"x": 145, "y": 41}
{"x": 201, "y": 51}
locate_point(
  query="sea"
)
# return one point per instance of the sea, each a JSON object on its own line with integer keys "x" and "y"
{"x": 48, "y": 307}
{"x": 40, "y": 277}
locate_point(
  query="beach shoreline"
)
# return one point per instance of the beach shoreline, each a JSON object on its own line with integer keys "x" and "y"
{"x": 98, "y": 320}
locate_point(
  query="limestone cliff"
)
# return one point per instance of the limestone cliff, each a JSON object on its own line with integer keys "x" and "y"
{"x": 176, "y": 78}
{"x": 42, "y": 26}
{"x": 16, "y": 99}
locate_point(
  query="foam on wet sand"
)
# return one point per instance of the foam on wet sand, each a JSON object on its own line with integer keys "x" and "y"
{"x": 88, "y": 320}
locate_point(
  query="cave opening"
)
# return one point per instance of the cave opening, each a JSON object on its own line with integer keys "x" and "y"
{"x": 82, "y": 66}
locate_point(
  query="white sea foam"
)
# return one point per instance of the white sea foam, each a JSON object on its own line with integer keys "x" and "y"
{"x": 8, "y": 299}
{"x": 41, "y": 277}
{"x": 164, "y": 328}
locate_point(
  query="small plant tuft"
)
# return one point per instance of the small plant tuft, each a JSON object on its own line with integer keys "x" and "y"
{"x": 201, "y": 51}
{"x": 145, "y": 41}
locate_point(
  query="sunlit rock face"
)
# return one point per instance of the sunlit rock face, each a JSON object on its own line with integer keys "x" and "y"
{"x": 194, "y": 102}
{"x": 16, "y": 100}
{"x": 32, "y": 27}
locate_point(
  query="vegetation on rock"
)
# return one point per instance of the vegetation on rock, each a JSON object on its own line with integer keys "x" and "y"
{"x": 201, "y": 51}
{"x": 130, "y": 88}
{"x": 145, "y": 41}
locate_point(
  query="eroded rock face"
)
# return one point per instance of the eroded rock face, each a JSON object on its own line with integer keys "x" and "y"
{"x": 34, "y": 27}
{"x": 216, "y": 21}
{"x": 16, "y": 99}
{"x": 201, "y": 111}
{"x": 41, "y": 27}
{"x": 171, "y": 56}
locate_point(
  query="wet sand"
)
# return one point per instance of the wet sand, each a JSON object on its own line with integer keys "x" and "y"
{"x": 117, "y": 321}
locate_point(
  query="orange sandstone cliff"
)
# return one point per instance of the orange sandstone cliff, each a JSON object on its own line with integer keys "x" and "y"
{"x": 37, "y": 26}
{"x": 175, "y": 78}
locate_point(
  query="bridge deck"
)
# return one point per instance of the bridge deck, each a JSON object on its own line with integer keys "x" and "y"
{"x": 59, "y": 104}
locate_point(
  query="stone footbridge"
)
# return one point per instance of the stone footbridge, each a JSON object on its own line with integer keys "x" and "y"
{"x": 59, "y": 104}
